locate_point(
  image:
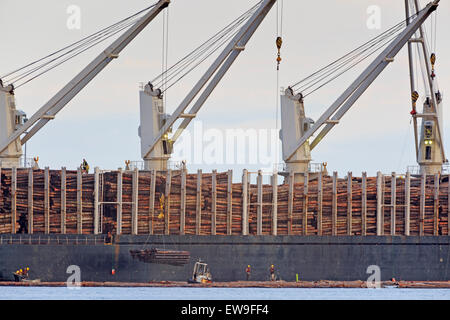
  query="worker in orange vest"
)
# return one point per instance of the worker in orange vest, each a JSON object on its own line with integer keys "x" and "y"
{"x": 248, "y": 270}
{"x": 272, "y": 272}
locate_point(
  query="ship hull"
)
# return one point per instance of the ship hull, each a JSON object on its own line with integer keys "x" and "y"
{"x": 312, "y": 258}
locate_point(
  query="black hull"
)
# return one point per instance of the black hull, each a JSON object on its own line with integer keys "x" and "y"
{"x": 311, "y": 257}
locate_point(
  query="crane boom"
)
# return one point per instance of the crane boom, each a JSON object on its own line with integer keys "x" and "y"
{"x": 60, "y": 99}
{"x": 337, "y": 110}
{"x": 224, "y": 62}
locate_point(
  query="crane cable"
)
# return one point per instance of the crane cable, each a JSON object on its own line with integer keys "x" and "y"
{"x": 165, "y": 50}
{"x": 278, "y": 42}
{"x": 28, "y": 72}
{"x": 193, "y": 59}
{"x": 330, "y": 72}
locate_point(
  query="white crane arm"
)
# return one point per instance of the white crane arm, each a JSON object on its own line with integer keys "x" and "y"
{"x": 337, "y": 110}
{"x": 224, "y": 62}
{"x": 60, "y": 99}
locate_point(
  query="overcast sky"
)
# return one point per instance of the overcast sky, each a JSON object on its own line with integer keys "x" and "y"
{"x": 100, "y": 124}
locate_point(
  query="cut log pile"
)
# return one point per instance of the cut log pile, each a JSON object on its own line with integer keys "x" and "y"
{"x": 209, "y": 203}
{"x": 162, "y": 256}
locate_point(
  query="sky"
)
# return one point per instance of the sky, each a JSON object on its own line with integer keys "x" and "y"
{"x": 101, "y": 122}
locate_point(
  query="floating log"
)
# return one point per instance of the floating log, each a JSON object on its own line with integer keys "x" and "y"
{"x": 161, "y": 256}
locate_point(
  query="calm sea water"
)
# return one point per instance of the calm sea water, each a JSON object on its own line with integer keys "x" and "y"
{"x": 63, "y": 293}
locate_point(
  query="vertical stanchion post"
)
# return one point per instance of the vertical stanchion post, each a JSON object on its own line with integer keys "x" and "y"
{"x": 134, "y": 208}
{"x": 349, "y": 204}
{"x": 305, "y": 204}
{"x": 47, "y": 200}
{"x": 167, "y": 202}
{"x": 183, "y": 201}
{"x": 334, "y": 206}
{"x": 380, "y": 224}
{"x": 229, "y": 201}
{"x": 259, "y": 205}
{"x": 436, "y": 206}
{"x": 119, "y": 200}
{"x": 364, "y": 205}
{"x": 198, "y": 204}
{"x": 393, "y": 202}
{"x": 245, "y": 202}
{"x": 214, "y": 202}
{"x": 448, "y": 205}
{"x": 407, "y": 203}
{"x": 79, "y": 201}
{"x": 422, "y": 203}
{"x": 96, "y": 197}
{"x": 13, "y": 200}
{"x": 63, "y": 199}
{"x": 320, "y": 204}
{"x": 290, "y": 202}
{"x": 151, "y": 207}
{"x": 274, "y": 203}
{"x": 30, "y": 200}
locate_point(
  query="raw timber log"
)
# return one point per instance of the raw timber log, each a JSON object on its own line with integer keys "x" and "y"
{"x": 183, "y": 202}
{"x": 245, "y": 202}
{"x": 407, "y": 203}
{"x": 274, "y": 203}
{"x": 320, "y": 205}
{"x": 393, "y": 202}
{"x": 63, "y": 200}
{"x": 229, "y": 201}
{"x": 14, "y": 200}
{"x": 161, "y": 256}
{"x": 119, "y": 200}
{"x": 259, "y": 204}
{"x": 214, "y": 202}
{"x": 198, "y": 203}
{"x": 305, "y": 204}
{"x": 30, "y": 200}
{"x": 167, "y": 201}
{"x": 152, "y": 200}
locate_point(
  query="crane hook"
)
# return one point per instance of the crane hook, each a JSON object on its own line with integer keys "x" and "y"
{"x": 279, "y": 42}
{"x": 414, "y": 97}
{"x": 433, "y": 62}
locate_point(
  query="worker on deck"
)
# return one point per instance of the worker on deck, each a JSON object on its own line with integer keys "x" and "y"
{"x": 247, "y": 271}
{"x": 85, "y": 166}
{"x": 272, "y": 273}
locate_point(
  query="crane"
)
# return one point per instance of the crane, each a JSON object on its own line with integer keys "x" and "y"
{"x": 156, "y": 125}
{"x": 297, "y": 129}
{"x": 14, "y": 124}
{"x": 429, "y": 146}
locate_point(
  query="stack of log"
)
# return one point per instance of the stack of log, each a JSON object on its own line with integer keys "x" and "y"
{"x": 160, "y": 208}
{"x": 162, "y": 256}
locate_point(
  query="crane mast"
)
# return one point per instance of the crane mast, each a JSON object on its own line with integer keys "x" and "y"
{"x": 429, "y": 146}
{"x": 10, "y": 135}
{"x": 297, "y": 130}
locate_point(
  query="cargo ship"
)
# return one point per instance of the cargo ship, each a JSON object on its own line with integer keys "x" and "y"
{"x": 308, "y": 223}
